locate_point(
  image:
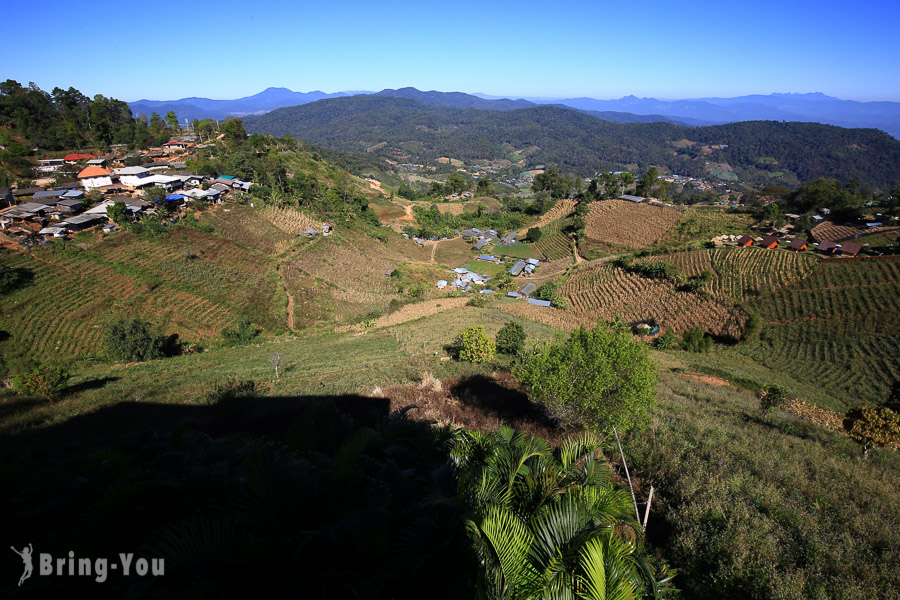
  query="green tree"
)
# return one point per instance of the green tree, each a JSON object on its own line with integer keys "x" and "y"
{"x": 598, "y": 377}
{"x": 154, "y": 194}
{"x": 172, "y": 121}
{"x": 133, "y": 340}
{"x": 472, "y": 344}
{"x": 874, "y": 426}
{"x": 118, "y": 213}
{"x": 455, "y": 184}
{"x": 534, "y": 234}
{"x": 511, "y": 338}
{"x": 484, "y": 186}
{"x": 234, "y": 130}
{"x": 554, "y": 182}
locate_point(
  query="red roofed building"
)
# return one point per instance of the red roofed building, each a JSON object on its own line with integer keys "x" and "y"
{"x": 850, "y": 248}
{"x": 745, "y": 241}
{"x": 74, "y": 158}
{"x": 94, "y": 177}
{"x": 769, "y": 242}
{"x": 827, "y": 247}
{"x": 798, "y": 245}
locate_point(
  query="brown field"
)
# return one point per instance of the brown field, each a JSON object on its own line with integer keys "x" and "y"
{"x": 454, "y": 253}
{"x": 243, "y": 225}
{"x": 602, "y": 291}
{"x": 386, "y": 211}
{"x": 623, "y": 223}
{"x": 411, "y": 312}
{"x": 560, "y": 210}
{"x": 289, "y": 220}
{"x": 829, "y": 230}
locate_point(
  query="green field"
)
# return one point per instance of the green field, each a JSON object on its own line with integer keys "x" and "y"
{"x": 514, "y": 250}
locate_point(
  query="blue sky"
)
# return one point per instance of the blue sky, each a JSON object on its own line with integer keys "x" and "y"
{"x": 690, "y": 49}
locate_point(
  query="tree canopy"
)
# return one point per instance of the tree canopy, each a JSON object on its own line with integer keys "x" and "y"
{"x": 598, "y": 377}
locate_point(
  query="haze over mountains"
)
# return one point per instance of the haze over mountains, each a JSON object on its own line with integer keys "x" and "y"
{"x": 813, "y": 107}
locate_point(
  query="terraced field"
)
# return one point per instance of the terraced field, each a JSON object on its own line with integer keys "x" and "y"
{"x": 560, "y": 210}
{"x": 289, "y": 220}
{"x": 838, "y": 328}
{"x": 622, "y": 223}
{"x": 602, "y": 291}
{"x": 828, "y": 230}
{"x": 243, "y": 225}
{"x": 744, "y": 273}
{"x": 555, "y": 247}
{"x": 355, "y": 278}
{"x": 60, "y": 314}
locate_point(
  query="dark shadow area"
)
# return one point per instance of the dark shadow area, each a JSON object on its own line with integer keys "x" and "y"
{"x": 11, "y": 407}
{"x": 14, "y": 278}
{"x": 313, "y": 497}
{"x": 4, "y": 335}
{"x": 90, "y": 384}
{"x": 510, "y": 405}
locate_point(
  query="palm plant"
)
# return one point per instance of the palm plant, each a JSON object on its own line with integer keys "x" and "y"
{"x": 549, "y": 524}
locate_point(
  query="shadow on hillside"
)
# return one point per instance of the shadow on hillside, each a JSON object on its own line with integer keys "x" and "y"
{"x": 329, "y": 493}
{"x": 11, "y": 407}
{"x": 510, "y": 405}
{"x": 90, "y": 384}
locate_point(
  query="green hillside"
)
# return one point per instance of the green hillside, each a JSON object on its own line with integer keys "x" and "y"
{"x": 584, "y": 144}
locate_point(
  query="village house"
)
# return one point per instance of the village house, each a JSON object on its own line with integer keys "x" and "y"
{"x": 851, "y": 248}
{"x": 132, "y": 176}
{"x": 71, "y": 159}
{"x": 95, "y": 177}
{"x": 769, "y": 242}
{"x": 171, "y": 147}
{"x": 827, "y": 247}
{"x": 797, "y": 245}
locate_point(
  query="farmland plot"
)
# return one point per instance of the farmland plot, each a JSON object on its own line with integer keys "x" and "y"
{"x": 355, "y": 278}
{"x": 622, "y": 223}
{"x": 560, "y": 210}
{"x": 742, "y": 273}
{"x": 837, "y": 328}
{"x": 243, "y": 225}
{"x": 602, "y": 291}
{"x": 828, "y": 230}
{"x": 289, "y": 220}
{"x": 555, "y": 247}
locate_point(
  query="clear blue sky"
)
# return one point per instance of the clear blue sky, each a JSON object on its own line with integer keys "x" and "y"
{"x": 168, "y": 50}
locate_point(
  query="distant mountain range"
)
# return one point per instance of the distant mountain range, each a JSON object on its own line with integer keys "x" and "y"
{"x": 815, "y": 107}
{"x": 764, "y": 152}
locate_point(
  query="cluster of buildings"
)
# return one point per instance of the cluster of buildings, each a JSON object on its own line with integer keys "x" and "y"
{"x": 799, "y": 245}
{"x": 30, "y": 213}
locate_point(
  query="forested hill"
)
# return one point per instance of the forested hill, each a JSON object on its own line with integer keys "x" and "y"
{"x": 757, "y": 150}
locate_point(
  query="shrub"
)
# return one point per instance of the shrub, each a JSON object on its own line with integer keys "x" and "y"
{"x": 472, "y": 344}
{"x": 477, "y": 300}
{"x": 43, "y": 381}
{"x": 874, "y": 425}
{"x": 133, "y": 340}
{"x": 666, "y": 340}
{"x": 511, "y": 338}
{"x": 695, "y": 340}
{"x": 534, "y": 234}
{"x": 230, "y": 389}
{"x": 241, "y": 334}
{"x": 600, "y": 378}
{"x": 772, "y": 396}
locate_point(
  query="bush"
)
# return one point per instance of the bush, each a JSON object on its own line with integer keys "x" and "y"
{"x": 511, "y": 338}
{"x": 874, "y": 425}
{"x": 241, "y": 334}
{"x": 133, "y": 340}
{"x": 600, "y": 378}
{"x": 666, "y": 340}
{"x": 695, "y": 340}
{"x": 772, "y": 396}
{"x": 229, "y": 389}
{"x": 534, "y": 234}
{"x": 472, "y": 344}
{"x": 477, "y": 300}
{"x": 42, "y": 381}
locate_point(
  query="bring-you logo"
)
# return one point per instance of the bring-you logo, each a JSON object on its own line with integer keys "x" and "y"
{"x": 97, "y": 568}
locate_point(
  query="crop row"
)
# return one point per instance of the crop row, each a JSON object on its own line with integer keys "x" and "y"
{"x": 623, "y": 223}
{"x": 555, "y": 247}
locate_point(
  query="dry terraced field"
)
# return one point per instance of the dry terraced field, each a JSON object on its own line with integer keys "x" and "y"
{"x": 828, "y": 230}
{"x": 622, "y": 223}
{"x": 602, "y": 291}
